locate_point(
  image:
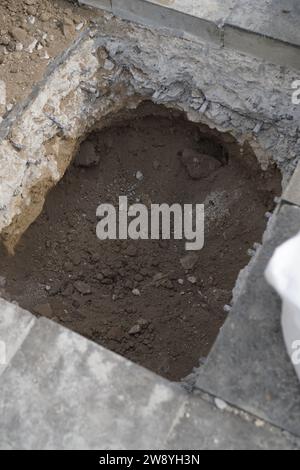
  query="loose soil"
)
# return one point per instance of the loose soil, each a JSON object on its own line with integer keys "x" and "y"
{"x": 32, "y": 34}
{"x": 147, "y": 300}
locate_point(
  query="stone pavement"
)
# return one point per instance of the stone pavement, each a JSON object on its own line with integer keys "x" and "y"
{"x": 60, "y": 391}
{"x": 249, "y": 366}
{"x": 268, "y": 29}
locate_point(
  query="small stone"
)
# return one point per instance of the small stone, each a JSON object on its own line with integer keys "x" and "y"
{"x": 45, "y": 17}
{"x": 20, "y": 35}
{"x": 259, "y": 423}
{"x": 180, "y": 281}
{"x": 139, "y": 176}
{"x": 131, "y": 251}
{"x": 79, "y": 26}
{"x": 108, "y": 65}
{"x": 189, "y": 261}
{"x": 135, "y": 330}
{"x": 32, "y": 46}
{"x": 136, "y": 292}
{"x": 44, "y": 310}
{"x": 82, "y": 288}
{"x": 220, "y": 404}
{"x": 227, "y": 308}
{"x": 192, "y": 279}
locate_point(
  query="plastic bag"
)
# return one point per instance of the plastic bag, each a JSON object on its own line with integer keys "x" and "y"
{"x": 283, "y": 273}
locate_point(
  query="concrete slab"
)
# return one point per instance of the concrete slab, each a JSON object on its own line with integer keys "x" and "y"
{"x": 212, "y": 10}
{"x": 274, "y": 18}
{"x": 62, "y": 391}
{"x": 204, "y": 427}
{"x": 292, "y": 192}
{"x": 15, "y": 325}
{"x": 179, "y": 20}
{"x": 268, "y": 29}
{"x": 249, "y": 366}
{"x": 264, "y": 28}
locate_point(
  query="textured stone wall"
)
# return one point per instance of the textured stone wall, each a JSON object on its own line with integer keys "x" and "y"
{"x": 117, "y": 67}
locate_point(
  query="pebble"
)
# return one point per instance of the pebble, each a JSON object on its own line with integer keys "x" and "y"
{"x": 135, "y": 330}
{"x": 192, "y": 279}
{"x": 19, "y": 34}
{"x": 82, "y": 288}
{"x": 136, "y": 292}
{"x": 189, "y": 261}
{"x": 139, "y": 176}
{"x": 220, "y": 404}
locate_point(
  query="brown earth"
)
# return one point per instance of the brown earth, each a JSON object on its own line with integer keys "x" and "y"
{"x": 32, "y": 33}
{"x": 146, "y": 300}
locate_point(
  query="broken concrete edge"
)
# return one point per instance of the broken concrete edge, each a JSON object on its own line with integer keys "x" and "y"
{"x": 102, "y": 74}
{"x": 224, "y": 34}
{"x": 44, "y": 358}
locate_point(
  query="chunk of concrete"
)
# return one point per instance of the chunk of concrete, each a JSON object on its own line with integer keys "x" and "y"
{"x": 204, "y": 427}
{"x": 62, "y": 391}
{"x": 249, "y": 366}
{"x": 15, "y": 325}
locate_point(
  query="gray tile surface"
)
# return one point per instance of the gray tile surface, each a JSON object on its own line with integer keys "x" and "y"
{"x": 15, "y": 325}
{"x": 249, "y": 366}
{"x": 204, "y": 427}
{"x": 63, "y": 392}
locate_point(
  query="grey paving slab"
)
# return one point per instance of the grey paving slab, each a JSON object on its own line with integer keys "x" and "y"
{"x": 268, "y": 29}
{"x": 249, "y": 366}
{"x": 213, "y": 10}
{"x": 292, "y": 192}
{"x": 156, "y": 14}
{"x": 15, "y": 325}
{"x": 274, "y": 18}
{"x": 62, "y": 391}
{"x": 204, "y": 427}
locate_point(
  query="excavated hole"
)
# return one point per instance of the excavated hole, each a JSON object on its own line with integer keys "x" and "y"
{"x": 63, "y": 272}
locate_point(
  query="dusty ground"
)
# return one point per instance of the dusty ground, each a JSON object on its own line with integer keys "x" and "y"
{"x": 144, "y": 299}
{"x": 32, "y": 33}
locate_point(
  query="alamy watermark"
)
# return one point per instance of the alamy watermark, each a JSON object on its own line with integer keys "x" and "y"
{"x": 296, "y": 93}
{"x": 160, "y": 222}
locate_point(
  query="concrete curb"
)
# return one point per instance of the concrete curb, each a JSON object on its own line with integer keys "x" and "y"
{"x": 222, "y": 23}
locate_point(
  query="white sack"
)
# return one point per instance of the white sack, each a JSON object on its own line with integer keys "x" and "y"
{"x": 283, "y": 273}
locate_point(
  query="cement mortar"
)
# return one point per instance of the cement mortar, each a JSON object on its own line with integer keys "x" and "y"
{"x": 117, "y": 68}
